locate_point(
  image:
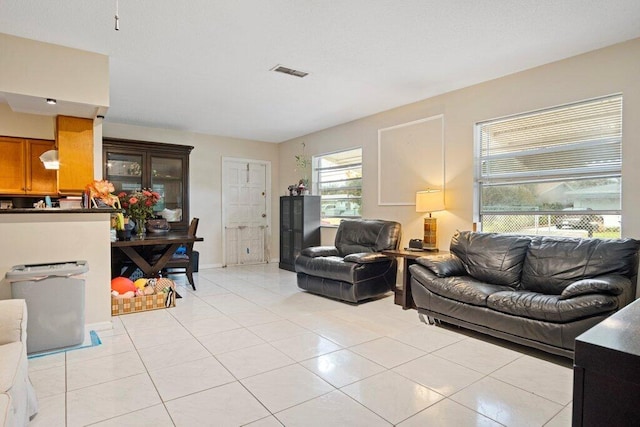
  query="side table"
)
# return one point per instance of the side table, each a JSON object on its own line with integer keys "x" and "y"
{"x": 403, "y": 296}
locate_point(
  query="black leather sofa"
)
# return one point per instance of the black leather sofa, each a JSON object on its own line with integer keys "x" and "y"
{"x": 354, "y": 269}
{"x": 533, "y": 290}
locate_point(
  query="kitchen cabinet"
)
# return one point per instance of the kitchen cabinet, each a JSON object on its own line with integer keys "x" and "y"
{"x": 74, "y": 140}
{"x": 21, "y": 171}
{"x": 133, "y": 165}
{"x": 299, "y": 227}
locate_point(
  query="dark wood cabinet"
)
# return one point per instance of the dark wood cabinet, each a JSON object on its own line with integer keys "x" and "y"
{"x": 132, "y": 165}
{"x": 299, "y": 227}
{"x": 606, "y": 372}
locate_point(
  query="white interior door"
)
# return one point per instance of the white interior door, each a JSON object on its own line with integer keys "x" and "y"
{"x": 245, "y": 211}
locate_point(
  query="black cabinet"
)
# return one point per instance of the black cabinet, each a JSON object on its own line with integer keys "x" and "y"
{"x": 299, "y": 227}
{"x": 132, "y": 165}
{"x": 606, "y": 372}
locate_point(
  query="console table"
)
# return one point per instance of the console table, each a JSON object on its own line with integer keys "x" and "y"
{"x": 403, "y": 296}
{"x": 606, "y": 372}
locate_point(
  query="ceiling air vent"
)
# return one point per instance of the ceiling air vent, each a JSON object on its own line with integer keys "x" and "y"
{"x": 290, "y": 71}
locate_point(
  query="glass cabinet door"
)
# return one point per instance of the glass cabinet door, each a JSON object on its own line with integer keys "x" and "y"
{"x": 167, "y": 179}
{"x": 124, "y": 171}
{"x": 164, "y": 168}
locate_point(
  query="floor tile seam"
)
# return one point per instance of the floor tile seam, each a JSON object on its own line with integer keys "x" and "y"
{"x": 434, "y": 390}
{"x": 373, "y": 410}
{"x": 555, "y": 415}
{"x": 229, "y": 330}
{"x": 364, "y": 406}
{"x": 144, "y": 371}
{"x": 431, "y": 406}
{"x": 433, "y": 353}
{"x": 343, "y": 345}
{"x": 471, "y": 408}
{"x": 386, "y": 367}
{"x": 297, "y": 404}
{"x": 70, "y": 363}
{"x": 173, "y": 399}
{"x": 131, "y": 412}
{"x": 527, "y": 391}
{"x": 452, "y": 397}
{"x": 359, "y": 379}
{"x": 179, "y": 362}
{"x": 316, "y": 356}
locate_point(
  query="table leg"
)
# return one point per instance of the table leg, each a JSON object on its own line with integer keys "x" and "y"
{"x": 148, "y": 269}
{"x": 407, "y": 298}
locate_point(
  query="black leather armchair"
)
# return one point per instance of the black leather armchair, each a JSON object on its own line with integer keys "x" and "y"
{"x": 354, "y": 269}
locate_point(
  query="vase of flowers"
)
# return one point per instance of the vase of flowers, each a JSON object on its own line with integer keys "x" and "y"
{"x": 139, "y": 206}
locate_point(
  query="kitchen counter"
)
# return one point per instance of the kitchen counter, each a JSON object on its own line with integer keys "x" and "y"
{"x": 53, "y": 210}
{"x": 44, "y": 236}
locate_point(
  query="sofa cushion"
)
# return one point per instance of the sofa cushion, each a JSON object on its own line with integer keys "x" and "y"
{"x": 460, "y": 288}
{"x": 490, "y": 257}
{"x": 13, "y": 319}
{"x": 551, "y": 308}
{"x": 553, "y": 263}
{"x": 366, "y": 235}
{"x": 335, "y": 268}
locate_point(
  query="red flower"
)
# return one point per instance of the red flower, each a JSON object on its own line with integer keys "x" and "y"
{"x": 133, "y": 200}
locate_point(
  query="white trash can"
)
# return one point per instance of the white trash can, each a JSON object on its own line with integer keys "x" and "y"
{"x": 55, "y": 303}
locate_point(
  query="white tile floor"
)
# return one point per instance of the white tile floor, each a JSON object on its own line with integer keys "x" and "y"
{"x": 249, "y": 348}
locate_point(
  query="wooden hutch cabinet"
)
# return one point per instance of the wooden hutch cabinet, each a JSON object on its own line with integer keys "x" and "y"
{"x": 132, "y": 165}
{"x": 299, "y": 227}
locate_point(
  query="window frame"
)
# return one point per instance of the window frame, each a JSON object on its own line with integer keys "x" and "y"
{"x": 594, "y": 173}
{"x": 316, "y": 182}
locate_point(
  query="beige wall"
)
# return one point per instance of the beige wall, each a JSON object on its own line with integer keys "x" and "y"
{"x": 611, "y": 70}
{"x": 205, "y": 180}
{"x": 26, "y": 125}
{"x": 615, "y": 69}
{"x": 33, "y": 68}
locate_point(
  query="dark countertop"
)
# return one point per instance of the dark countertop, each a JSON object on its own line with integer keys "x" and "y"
{"x": 53, "y": 210}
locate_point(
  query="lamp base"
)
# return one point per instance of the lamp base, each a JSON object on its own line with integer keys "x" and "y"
{"x": 430, "y": 241}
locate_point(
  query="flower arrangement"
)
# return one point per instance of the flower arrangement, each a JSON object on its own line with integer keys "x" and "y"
{"x": 100, "y": 193}
{"x": 139, "y": 203}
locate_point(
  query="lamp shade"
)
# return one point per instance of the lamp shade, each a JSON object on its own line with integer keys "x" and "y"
{"x": 50, "y": 159}
{"x": 429, "y": 201}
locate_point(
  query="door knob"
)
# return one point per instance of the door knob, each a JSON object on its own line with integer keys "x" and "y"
{"x": 264, "y": 215}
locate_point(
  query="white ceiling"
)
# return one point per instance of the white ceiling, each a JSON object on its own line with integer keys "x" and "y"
{"x": 203, "y": 65}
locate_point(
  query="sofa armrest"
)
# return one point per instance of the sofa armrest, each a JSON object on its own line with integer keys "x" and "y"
{"x": 367, "y": 258}
{"x": 611, "y": 284}
{"x": 13, "y": 321}
{"x": 443, "y": 265}
{"x": 316, "y": 251}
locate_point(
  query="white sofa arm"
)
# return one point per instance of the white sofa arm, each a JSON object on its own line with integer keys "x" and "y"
{"x": 13, "y": 321}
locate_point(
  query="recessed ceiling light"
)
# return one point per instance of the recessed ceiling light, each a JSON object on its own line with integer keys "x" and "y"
{"x": 51, "y": 101}
{"x": 290, "y": 71}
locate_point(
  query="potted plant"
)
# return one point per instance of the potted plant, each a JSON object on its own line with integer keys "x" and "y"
{"x": 303, "y": 163}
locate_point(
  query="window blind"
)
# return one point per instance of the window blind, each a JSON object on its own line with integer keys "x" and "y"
{"x": 577, "y": 141}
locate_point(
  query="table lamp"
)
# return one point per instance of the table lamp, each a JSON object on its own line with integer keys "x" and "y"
{"x": 430, "y": 201}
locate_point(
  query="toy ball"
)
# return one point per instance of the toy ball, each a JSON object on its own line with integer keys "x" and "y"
{"x": 122, "y": 285}
{"x": 140, "y": 283}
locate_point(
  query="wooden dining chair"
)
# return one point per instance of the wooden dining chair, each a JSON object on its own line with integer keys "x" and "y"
{"x": 184, "y": 261}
